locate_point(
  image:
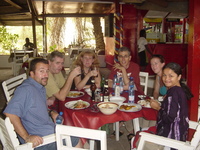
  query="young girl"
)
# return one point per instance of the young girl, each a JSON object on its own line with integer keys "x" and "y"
{"x": 172, "y": 119}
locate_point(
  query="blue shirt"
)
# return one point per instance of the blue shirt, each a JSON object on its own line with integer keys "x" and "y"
{"x": 29, "y": 103}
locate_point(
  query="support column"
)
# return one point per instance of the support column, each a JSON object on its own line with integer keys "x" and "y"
{"x": 193, "y": 80}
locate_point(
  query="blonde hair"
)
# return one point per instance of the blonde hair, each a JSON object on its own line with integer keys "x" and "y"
{"x": 78, "y": 61}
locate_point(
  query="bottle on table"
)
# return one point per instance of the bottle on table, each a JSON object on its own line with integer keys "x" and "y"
{"x": 102, "y": 83}
{"x": 121, "y": 84}
{"x": 106, "y": 92}
{"x": 115, "y": 80}
{"x": 93, "y": 88}
{"x": 117, "y": 89}
{"x": 131, "y": 97}
{"x": 59, "y": 118}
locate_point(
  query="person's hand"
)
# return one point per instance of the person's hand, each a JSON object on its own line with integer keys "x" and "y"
{"x": 117, "y": 66}
{"x": 93, "y": 73}
{"x": 36, "y": 140}
{"x": 155, "y": 104}
{"x": 76, "y": 71}
{"x": 50, "y": 100}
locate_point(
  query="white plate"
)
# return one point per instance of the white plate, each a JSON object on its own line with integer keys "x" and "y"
{"x": 144, "y": 103}
{"x": 75, "y": 94}
{"x": 72, "y": 104}
{"x": 117, "y": 99}
{"x": 134, "y": 108}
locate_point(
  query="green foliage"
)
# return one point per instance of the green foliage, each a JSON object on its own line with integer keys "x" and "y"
{"x": 53, "y": 48}
{"x": 7, "y": 40}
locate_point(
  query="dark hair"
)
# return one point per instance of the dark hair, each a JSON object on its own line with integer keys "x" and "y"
{"x": 177, "y": 69}
{"x": 162, "y": 60}
{"x": 35, "y": 61}
{"x": 124, "y": 49}
{"x": 143, "y": 33}
{"x": 54, "y": 54}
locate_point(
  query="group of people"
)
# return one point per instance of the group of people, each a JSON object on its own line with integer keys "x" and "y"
{"x": 32, "y": 119}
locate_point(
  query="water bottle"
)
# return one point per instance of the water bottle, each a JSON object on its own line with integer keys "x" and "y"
{"x": 121, "y": 84}
{"x": 131, "y": 97}
{"x": 115, "y": 80}
{"x": 59, "y": 118}
{"x": 117, "y": 89}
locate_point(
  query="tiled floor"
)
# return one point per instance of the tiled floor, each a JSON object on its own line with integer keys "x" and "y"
{"x": 122, "y": 144}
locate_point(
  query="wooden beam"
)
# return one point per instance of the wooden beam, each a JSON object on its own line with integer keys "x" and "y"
{"x": 13, "y": 4}
{"x": 161, "y": 3}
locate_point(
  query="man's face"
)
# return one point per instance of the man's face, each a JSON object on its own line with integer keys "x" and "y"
{"x": 56, "y": 66}
{"x": 124, "y": 59}
{"x": 41, "y": 73}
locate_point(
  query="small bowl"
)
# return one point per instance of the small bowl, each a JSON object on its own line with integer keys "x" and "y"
{"x": 108, "y": 108}
{"x": 117, "y": 99}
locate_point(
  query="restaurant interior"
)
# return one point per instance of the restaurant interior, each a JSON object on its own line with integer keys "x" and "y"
{"x": 171, "y": 26}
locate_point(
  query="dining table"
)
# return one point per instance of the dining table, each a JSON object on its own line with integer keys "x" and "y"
{"x": 93, "y": 119}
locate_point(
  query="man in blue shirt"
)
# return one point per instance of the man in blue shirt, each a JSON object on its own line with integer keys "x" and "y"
{"x": 28, "y": 110}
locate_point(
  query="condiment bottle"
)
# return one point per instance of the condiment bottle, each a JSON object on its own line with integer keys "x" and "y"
{"x": 106, "y": 93}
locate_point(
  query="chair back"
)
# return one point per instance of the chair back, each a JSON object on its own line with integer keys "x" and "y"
{"x": 10, "y": 85}
{"x": 5, "y": 138}
{"x": 167, "y": 142}
{"x": 64, "y": 132}
{"x": 9, "y": 137}
{"x": 196, "y": 137}
{"x": 144, "y": 76}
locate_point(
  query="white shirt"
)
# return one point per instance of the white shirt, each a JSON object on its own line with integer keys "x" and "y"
{"x": 141, "y": 44}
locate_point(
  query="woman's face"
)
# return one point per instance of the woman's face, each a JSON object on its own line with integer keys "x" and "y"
{"x": 87, "y": 60}
{"x": 156, "y": 65}
{"x": 170, "y": 78}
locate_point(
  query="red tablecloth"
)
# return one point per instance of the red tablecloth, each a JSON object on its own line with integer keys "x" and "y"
{"x": 87, "y": 119}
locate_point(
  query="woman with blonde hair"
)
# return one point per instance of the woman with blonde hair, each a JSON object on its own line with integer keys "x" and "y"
{"x": 88, "y": 61}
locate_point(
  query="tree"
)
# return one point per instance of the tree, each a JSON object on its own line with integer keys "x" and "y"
{"x": 98, "y": 33}
{"x": 7, "y": 40}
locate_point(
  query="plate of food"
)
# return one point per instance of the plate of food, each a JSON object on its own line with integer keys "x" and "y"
{"x": 127, "y": 107}
{"x": 79, "y": 104}
{"x": 144, "y": 103}
{"x": 75, "y": 94}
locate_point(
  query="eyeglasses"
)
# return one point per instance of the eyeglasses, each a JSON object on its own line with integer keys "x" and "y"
{"x": 125, "y": 56}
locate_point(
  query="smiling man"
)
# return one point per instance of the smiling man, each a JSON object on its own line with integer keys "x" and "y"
{"x": 125, "y": 69}
{"x": 58, "y": 87}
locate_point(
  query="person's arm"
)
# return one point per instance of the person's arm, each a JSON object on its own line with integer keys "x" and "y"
{"x": 98, "y": 80}
{"x": 62, "y": 93}
{"x": 155, "y": 104}
{"x": 80, "y": 84}
{"x": 19, "y": 128}
{"x": 124, "y": 75}
{"x": 156, "y": 88}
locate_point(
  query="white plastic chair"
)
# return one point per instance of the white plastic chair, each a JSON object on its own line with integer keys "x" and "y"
{"x": 18, "y": 60}
{"x": 144, "y": 76}
{"x": 64, "y": 132}
{"x": 10, "y": 141}
{"x": 10, "y": 85}
{"x": 167, "y": 142}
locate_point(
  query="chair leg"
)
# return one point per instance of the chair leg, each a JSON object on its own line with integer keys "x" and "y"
{"x": 117, "y": 131}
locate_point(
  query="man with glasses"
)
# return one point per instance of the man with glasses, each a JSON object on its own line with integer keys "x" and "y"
{"x": 125, "y": 69}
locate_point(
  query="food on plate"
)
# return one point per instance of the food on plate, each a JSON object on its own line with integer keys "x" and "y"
{"x": 145, "y": 103}
{"x": 80, "y": 104}
{"x": 74, "y": 94}
{"x": 126, "y": 107}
